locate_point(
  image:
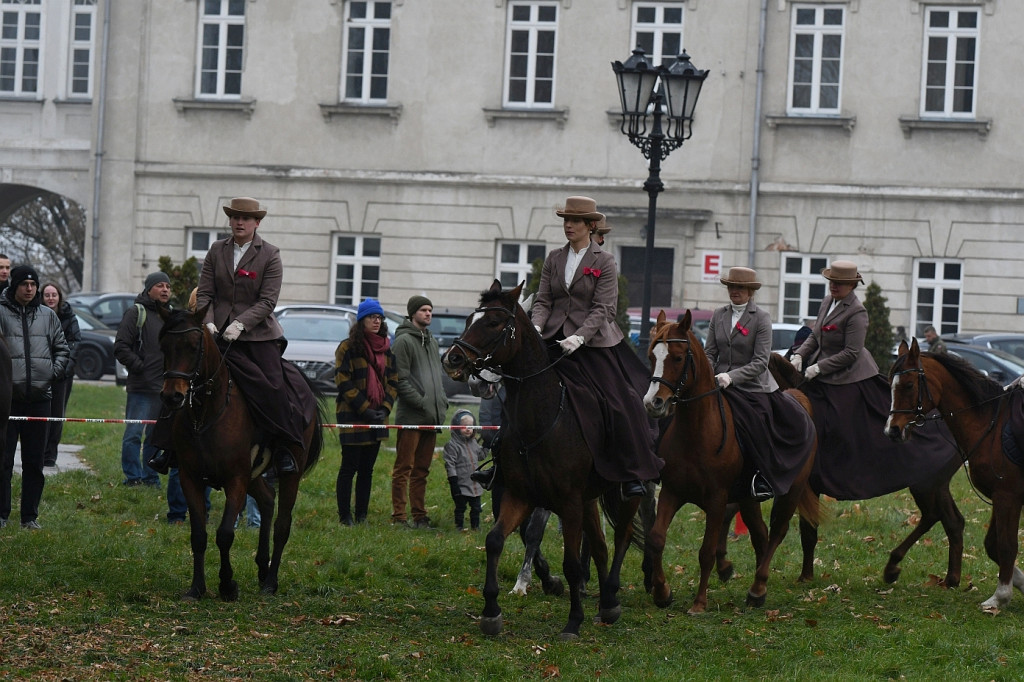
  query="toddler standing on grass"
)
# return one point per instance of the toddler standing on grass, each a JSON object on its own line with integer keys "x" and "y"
{"x": 462, "y": 453}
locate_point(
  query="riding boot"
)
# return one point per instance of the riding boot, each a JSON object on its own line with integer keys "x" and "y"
{"x": 283, "y": 461}
{"x": 760, "y": 488}
{"x": 162, "y": 461}
{"x": 633, "y": 489}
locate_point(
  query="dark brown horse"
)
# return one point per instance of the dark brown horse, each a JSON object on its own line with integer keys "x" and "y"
{"x": 545, "y": 460}
{"x": 213, "y": 435}
{"x": 931, "y": 494}
{"x": 975, "y": 409}
{"x": 704, "y": 464}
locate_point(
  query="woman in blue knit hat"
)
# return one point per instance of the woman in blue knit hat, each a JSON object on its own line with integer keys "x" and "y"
{"x": 364, "y": 372}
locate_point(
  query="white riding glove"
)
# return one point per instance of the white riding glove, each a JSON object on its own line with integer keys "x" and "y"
{"x": 723, "y": 379}
{"x": 233, "y": 331}
{"x": 1014, "y": 384}
{"x": 812, "y": 371}
{"x": 537, "y": 328}
{"x": 571, "y": 344}
{"x": 797, "y": 361}
{"x": 212, "y": 327}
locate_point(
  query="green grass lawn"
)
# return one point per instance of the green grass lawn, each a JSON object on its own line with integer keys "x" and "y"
{"x": 96, "y": 594}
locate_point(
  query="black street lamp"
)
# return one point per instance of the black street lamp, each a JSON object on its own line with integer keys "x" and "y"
{"x": 668, "y": 91}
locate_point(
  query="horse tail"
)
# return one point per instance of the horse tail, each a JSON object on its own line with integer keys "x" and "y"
{"x": 809, "y": 507}
{"x": 316, "y": 443}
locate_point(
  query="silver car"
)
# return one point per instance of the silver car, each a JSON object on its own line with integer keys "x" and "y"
{"x": 312, "y": 340}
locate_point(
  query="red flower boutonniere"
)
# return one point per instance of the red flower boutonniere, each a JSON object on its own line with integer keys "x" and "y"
{"x": 596, "y": 272}
{"x": 743, "y": 330}
{"x": 829, "y": 328}
{"x": 246, "y": 273}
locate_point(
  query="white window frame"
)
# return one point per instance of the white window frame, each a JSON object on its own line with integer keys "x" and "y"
{"x": 223, "y": 22}
{"x": 81, "y": 8}
{"x": 953, "y": 36}
{"x": 808, "y": 281}
{"x": 359, "y": 262}
{"x": 370, "y": 26}
{"x": 818, "y": 32}
{"x": 534, "y": 27}
{"x": 22, "y": 46}
{"x": 522, "y": 266}
{"x": 939, "y": 284}
{"x": 213, "y": 235}
{"x": 658, "y": 29}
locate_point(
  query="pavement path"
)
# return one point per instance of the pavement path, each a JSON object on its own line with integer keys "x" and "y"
{"x": 67, "y": 460}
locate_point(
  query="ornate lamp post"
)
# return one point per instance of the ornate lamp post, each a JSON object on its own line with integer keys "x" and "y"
{"x": 649, "y": 93}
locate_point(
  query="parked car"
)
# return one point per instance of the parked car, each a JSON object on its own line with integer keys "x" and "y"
{"x": 312, "y": 340}
{"x": 446, "y": 325}
{"x": 1008, "y": 342}
{"x": 996, "y": 364}
{"x": 783, "y": 336}
{"x": 393, "y": 318}
{"x": 95, "y": 355}
{"x": 108, "y": 308}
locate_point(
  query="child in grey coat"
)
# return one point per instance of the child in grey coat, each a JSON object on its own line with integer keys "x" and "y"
{"x": 462, "y": 453}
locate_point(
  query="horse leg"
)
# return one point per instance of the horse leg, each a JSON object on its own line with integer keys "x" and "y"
{"x": 625, "y": 511}
{"x": 654, "y": 549}
{"x": 648, "y": 509}
{"x": 808, "y": 543}
{"x": 933, "y": 509}
{"x": 573, "y": 518}
{"x": 714, "y": 513}
{"x": 532, "y": 533}
{"x": 196, "y": 502}
{"x": 264, "y": 496}
{"x": 1001, "y": 545}
{"x": 756, "y": 528}
{"x": 288, "y": 490}
{"x": 782, "y": 511}
{"x": 234, "y": 501}
{"x": 513, "y": 512}
{"x": 722, "y": 563}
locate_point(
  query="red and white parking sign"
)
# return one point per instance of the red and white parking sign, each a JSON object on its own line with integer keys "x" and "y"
{"x": 711, "y": 266}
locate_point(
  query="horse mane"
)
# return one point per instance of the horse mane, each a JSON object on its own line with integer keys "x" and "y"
{"x": 979, "y": 388}
{"x": 175, "y": 318}
{"x": 489, "y": 296}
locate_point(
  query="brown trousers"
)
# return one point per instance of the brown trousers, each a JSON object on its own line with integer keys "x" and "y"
{"x": 415, "y": 451}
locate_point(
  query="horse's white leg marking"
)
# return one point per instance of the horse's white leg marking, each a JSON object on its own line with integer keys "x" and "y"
{"x": 660, "y": 353}
{"x": 1001, "y": 597}
{"x": 892, "y": 404}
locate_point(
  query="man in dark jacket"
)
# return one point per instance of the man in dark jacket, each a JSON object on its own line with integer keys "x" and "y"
{"x": 421, "y": 400}
{"x": 39, "y": 356}
{"x": 137, "y": 347}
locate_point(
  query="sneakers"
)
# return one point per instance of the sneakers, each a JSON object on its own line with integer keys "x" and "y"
{"x": 760, "y": 488}
{"x": 3, "y": 523}
{"x": 31, "y": 525}
{"x": 423, "y": 524}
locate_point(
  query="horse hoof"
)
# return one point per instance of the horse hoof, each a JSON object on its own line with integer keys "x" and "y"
{"x": 491, "y": 625}
{"x": 555, "y": 587}
{"x": 726, "y": 573}
{"x": 190, "y": 596}
{"x": 269, "y": 589}
{"x": 754, "y": 600}
{"x": 609, "y": 616}
{"x": 891, "y": 573}
{"x": 696, "y": 610}
{"x": 568, "y": 636}
{"x": 229, "y": 591}
{"x": 665, "y": 602}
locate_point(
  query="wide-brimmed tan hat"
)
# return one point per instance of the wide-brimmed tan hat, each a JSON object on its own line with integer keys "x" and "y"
{"x": 842, "y": 271}
{"x": 744, "y": 277}
{"x": 244, "y": 206}
{"x": 580, "y": 207}
{"x": 602, "y": 227}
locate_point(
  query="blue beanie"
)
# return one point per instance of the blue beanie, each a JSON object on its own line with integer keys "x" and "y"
{"x": 368, "y": 307}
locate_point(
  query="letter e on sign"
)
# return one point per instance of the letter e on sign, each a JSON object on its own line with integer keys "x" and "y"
{"x": 711, "y": 266}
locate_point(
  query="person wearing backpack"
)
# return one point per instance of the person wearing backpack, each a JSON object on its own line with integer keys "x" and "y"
{"x": 137, "y": 347}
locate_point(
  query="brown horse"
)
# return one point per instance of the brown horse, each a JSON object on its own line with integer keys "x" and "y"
{"x": 213, "y": 435}
{"x": 975, "y": 409}
{"x": 545, "y": 460}
{"x": 931, "y": 494}
{"x": 704, "y": 464}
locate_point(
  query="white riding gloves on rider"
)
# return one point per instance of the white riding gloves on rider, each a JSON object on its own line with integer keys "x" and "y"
{"x": 723, "y": 379}
{"x": 797, "y": 361}
{"x": 212, "y": 327}
{"x": 571, "y": 344}
{"x": 233, "y": 331}
{"x": 812, "y": 371}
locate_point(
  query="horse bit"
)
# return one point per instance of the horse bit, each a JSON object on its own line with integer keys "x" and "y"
{"x": 923, "y": 392}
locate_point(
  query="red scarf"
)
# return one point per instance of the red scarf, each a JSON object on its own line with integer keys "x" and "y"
{"x": 377, "y": 362}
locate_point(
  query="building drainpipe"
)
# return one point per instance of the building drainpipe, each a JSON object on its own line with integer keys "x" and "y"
{"x": 98, "y": 154}
{"x": 755, "y": 160}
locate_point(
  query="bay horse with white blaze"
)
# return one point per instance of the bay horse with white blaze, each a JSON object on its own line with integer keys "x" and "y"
{"x": 545, "y": 460}
{"x": 976, "y": 409}
{"x": 704, "y": 464}
{"x": 214, "y": 438}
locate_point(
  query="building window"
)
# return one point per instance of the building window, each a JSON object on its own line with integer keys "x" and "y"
{"x": 631, "y": 265}
{"x": 20, "y": 46}
{"x": 222, "y": 36}
{"x": 658, "y": 29}
{"x": 82, "y": 47}
{"x": 950, "y": 62}
{"x": 801, "y": 289}
{"x": 530, "y": 59}
{"x": 515, "y": 262}
{"x": 200, "y": 239}
{"x": 815, "y": 59}
{"x": 937, "y": 288}
{"x": 356, "y": 268}
{"x": 367, "y": 51}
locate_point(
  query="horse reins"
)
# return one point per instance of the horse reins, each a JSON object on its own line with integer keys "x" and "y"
{"x": 677, "y": 389}
{"x": 194, "y": 384}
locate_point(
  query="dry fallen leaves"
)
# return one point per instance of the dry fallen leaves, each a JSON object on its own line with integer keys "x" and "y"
{"x": 343, "y": 619}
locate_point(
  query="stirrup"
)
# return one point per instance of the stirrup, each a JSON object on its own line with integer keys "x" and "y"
{"x": 161, "y": 461}
{"x": 485, "y": 477}
{"x": 760, "y": 488}
{"x": 284, "y": 462}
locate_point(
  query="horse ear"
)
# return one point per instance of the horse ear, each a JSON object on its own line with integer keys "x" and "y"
{"x": 914, "y": 348}
{"x": 517, "y": 292}
{"x": 200, "y": 314}
{"x": 661, "y": 318}
{"x": 496, "y": 287}
{"x": 902, "y": 350}
{"x": 687, "y": 320}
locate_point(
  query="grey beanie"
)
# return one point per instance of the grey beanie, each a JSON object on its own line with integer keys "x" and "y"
{"x": 154, "y": 278}
{"x": 415, "y": 303}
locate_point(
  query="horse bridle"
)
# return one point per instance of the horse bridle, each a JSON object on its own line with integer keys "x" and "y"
{"x": 677, "y": 389}
{"x": 923, "y": 392}
{"x": 506, "y": 335}
{"x": 197, "y": 389}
